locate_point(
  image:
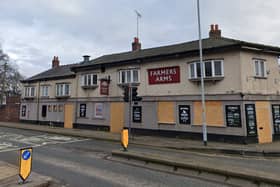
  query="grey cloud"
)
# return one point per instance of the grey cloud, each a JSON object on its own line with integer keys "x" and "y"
{"x": 33, "y": 31}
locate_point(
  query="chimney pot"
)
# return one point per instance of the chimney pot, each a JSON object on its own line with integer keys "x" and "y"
{"x": 86, "y": 58}
{"x": 55, "y": 62}
{"x": 212, "y": 27}
{"x": 215, "y": 32}
{"x": 136, "y": 45}
{"x": 216, "y": 27}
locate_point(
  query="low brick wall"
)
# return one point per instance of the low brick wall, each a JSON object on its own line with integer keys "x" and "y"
{"x": 10, "y": 111}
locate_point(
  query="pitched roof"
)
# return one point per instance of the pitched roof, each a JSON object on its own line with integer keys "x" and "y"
{"x": 187, "y": 47}
{"x": 209, "y": 44}
{"x": 62, "y": 71}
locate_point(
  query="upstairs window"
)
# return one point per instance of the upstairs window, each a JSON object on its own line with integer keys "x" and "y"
{"x": 63, "y": 89}
{"x": 129, "y": 76}
{"x": 89, "y": 80}
{"x": 29, "y": 92}
{"x": 212, "y": 69}
{"x": 44, "y": 91}
{"x": 260, "y": 68}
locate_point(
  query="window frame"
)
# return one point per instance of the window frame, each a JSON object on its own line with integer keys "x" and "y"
{"x": 44, "y": 92}
{"x": 196, "y": 67}
{"x": 28, "y": 90}
{"x": 96, "y": 105}
{"x": 227, "y": 106}
{"x": 60, "y": 90}
{"x": 87, "y": 80}
{"x": 130, "y": 72}
{"x": 260, "y": 71}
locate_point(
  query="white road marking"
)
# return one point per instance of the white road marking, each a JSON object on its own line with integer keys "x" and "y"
{"x": 9, "y": 140}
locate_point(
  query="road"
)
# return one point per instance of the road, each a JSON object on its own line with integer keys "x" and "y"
{"x": 82, "y": 162}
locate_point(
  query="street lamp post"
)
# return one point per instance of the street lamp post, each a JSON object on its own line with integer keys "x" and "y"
{"x": 204, "y": 128}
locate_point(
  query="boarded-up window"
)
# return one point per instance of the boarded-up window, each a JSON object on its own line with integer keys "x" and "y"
{"x": 214, "y": 113}
{"x": 166, "y": 112}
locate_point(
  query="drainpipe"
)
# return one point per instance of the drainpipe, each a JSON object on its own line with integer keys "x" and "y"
{"x": 76, "y": 100}
{"x": 38, "y": 103}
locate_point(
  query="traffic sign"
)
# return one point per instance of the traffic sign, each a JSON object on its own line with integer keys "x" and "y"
{"x": 25, "y": 162}
{"x": 124, "y": 138}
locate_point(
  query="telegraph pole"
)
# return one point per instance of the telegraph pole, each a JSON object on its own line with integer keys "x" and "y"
{"x": 204, "y": 128}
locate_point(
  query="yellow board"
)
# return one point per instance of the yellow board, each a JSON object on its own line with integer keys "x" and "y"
{"x": 25, "y": 163}
{"x": 124, "y": 138}
{"x": 116, "y": 117}
{"x": 263, "y": 121}
{"x": 214, "y": 113}
{"x": 68, "y": 116}
{"x": 166, "y": 113}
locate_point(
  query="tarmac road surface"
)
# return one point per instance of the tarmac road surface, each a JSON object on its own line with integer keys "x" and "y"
{"x": 84, "y": 162}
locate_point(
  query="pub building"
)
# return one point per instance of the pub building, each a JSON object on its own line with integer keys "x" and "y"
{"x": 242, "y": 86}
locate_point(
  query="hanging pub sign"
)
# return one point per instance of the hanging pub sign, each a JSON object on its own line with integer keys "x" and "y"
{"x": 137, "y": 114}
{"x": 164, "y": 75}
{"x": 251, "y": 119}
{"x": 104, "y": 87}
{"x": 184, "y": 114}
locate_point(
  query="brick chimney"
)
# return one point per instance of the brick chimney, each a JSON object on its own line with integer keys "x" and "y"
{"x": 215, "y": 32}
{"x": 55, "y": 62}
{"x": 136, "y": 45}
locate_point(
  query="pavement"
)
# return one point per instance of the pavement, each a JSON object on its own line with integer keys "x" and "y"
{"x": 254, "y": 149}
{"x": 9, "y": 178}
{"x": 175, "y": 156}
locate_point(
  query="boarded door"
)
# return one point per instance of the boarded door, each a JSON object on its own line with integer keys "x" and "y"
{"x": 116, "y": 117}
{"x": 263, "y": 122}
{"x": 68, "y": 116}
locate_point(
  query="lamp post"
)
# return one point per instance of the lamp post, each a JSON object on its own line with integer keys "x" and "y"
{"x": 204, "y": 128}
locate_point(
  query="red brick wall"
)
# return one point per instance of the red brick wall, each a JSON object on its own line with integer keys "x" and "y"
{"x": 10, "y": 111}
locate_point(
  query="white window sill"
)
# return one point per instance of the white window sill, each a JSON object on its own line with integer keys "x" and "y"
{"x": 29, "y": 97}
{"x": 127, "y": 84}
{"x": 90, "y": 87}
{"x": 260, "y": 77}
{"x": 207, "y": 79}
{"x": 62, "y": 96}
{"x": 45, "y": 97}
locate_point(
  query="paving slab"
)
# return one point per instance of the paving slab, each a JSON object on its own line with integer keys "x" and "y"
{"x": 9, "y": 177}
{"x": 229, "y": 170}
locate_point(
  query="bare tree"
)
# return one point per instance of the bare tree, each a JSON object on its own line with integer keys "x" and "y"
{"x": 9, "y": 78}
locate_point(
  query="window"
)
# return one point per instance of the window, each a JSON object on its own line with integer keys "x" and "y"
{"x": 4, "y": 100}
{"x": 233, "y": 115}
{"x": 63, "y": 89}
{"x": 44, "y": 111}
{"x": 129, "y": 76}
{"x": 23, "y": 110}
{"x": 212, "y": 69}
{"x": 260, "y": 69}
{"x": 44, "y": 91}
{"x": 29, "y": 92}
{"x": 60, "y": 108}
{"x": 98, "y": 110}
{"x": 89, "y": 80}
{"x": 83, "y": 110}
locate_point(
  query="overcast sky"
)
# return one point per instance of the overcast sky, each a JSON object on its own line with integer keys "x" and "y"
{"x": 33, "y": 31}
